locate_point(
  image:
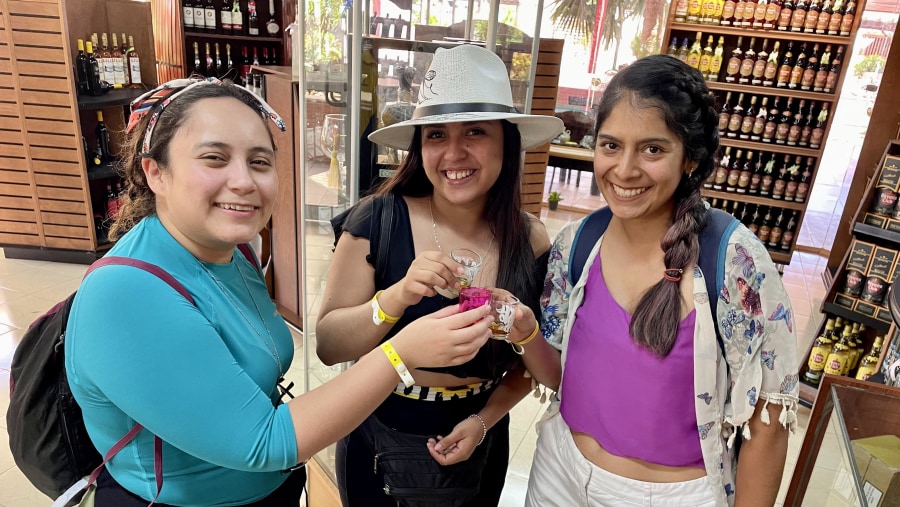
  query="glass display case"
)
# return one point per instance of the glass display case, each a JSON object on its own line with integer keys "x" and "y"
{"x": 850, "y": 455}
{"x": 360, "y": 68}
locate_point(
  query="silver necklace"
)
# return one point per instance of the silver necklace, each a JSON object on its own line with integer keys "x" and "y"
{"x": 437, "y": 243}
{"x": 270, "y": 343}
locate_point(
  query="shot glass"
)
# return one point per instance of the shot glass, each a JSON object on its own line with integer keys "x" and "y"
{"x": 473, "y": 297}
{"x": 470, "y": 260}
{"x": 503, "y": 308}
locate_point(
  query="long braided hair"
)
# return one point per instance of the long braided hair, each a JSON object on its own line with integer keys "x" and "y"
{"x": 679, "y": 92}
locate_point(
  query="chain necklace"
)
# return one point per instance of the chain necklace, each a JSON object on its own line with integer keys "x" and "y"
{"x": 437, "y": 243}
{"x": 270, "y": 343}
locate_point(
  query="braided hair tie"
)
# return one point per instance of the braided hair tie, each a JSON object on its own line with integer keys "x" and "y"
{"x": 673, "y": 275}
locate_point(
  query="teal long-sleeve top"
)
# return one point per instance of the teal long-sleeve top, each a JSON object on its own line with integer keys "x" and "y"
{"x": 202, "y": 378}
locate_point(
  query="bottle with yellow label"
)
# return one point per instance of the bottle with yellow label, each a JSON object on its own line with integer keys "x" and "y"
{"x": 706, "y": 57}
{"x": 819, "y": 354}
{"x": 869, "y": 364}
{"x": 715, "y": 63}
{"x": 693, "y": 12}
{"x": 693, "y": 58}
{"x": 837, "y": 361}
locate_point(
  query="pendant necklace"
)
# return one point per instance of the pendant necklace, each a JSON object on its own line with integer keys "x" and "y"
{"x": 437, "y": 243}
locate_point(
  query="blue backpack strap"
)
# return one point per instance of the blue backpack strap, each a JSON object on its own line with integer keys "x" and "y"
{"x": 592, "y": 227}
{"x": 713, "y": 245}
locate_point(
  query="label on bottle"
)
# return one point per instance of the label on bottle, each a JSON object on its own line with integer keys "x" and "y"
{"x": 693, "y": 11}
{"x": 693, "y": 60}
{"x": 739, "y": 13}
{"x": 884, "y": 201}
{"x": 237, "y": 22}
{"x": 816, "y": 138}
{"x": 796, "y": 74}
{"x": 715, "y": 65}
{"x": 721, "y": 177}
{"x": 830, "y": 82}
{"x": 784, "y": 76}
{"x": 817, "y": 357}
{"x": 790, "y": 190}
{"x": 723, "y": 122}
{"x": 734, "y": 124}
{"x": 746, "y": 70}
{"x": 778, "y": 189}
{"x": 705, "y": 61}
{"x": 784, "y": 18}
{"x": 733, "y": 177}
{"x": 747, "y": 126}
{"x": 781, "y": 133}
{"x": 134, "y": 65}
{"x": 834, "y": 365}
{"x": 763, "y": 233}
{"x": 210, "y": 20}
{"x": 199, "y": 17}
{"x": 118, "y": 71}
{"x": 189, "y": 17}
{"x": 802, "y": 189}
{"x": 755, "y": 180}
{"x": 770, "y": 73}
{"x": 732, "y": 69}
{"x": 846, "y": 24}
{"x": 759, "y": 70}
{"x": 834, "y": 24}
{"x": 681, "y": 10}
{"x": 772, "y": 12}
{"x": 775, "y": 237}
{"x": 819, "y": 81}
{"x": 727, "y": 12}
{"x": 812, "y": 18}
{"x": 853, "y": 283}
{"x": 226, "y": 20}
{"x": 787, "y": 238}
{"x": 797, "y": 19}
{"x": 793, "y": 135}
{"x": 109, "y": 69}
{"x": 769, "y": 132}
{"x": 809, "y": 75}
{"x": 743, "y": 182}
{"x": 822, "y": 24}
{"x": 759, "y": 126}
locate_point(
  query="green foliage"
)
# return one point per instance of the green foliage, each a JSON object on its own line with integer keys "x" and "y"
{"x": 554, "y": 196}
{"x": 521, "y": 66}
{"x": 642, "y": 49}
{"x": 322, "y": 31}
{"x": 871, "y": 63}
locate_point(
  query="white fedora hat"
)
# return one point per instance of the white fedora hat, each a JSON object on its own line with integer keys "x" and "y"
{"x": 467, "y": 83}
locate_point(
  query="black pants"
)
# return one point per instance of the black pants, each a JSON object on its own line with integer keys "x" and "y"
{"x": 111, "y": 494}
{"x": 359, "y": 486}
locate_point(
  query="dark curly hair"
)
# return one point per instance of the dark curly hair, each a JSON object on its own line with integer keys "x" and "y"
{"x": 680, "y": 93}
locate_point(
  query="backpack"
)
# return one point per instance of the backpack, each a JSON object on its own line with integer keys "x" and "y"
{"x": 47, "y": 436}
{"x": 713, "y": 242}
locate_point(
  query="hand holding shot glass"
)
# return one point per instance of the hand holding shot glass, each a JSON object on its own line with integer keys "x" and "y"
{"x": 503, "y": 309}
{"x": 470, "y": 261}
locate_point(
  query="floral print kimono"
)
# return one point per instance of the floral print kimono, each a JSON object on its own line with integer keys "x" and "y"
{"x": 756, "y": 363}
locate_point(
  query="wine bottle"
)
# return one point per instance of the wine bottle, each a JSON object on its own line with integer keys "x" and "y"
{"x": 220, "y": 64}
{"x": 199, "y": 16}
{"x": 781, "y": 178}
{"x": 759, "y": 123}
{"x": 746, "y": 173}
{"x": 255, "y": 57}
{"x": 693, "y": 11}
{"x": 245, "y": 64}
{"x": 118, "y": 64}
{"x": 728, "y": 13}
{"x": 818, "y": 354}
{"x": 724, "y": 115}
{"x": 739, "y": 14}
{"x": 771, "y": 122}
{"x": 787, "y": 64}
{"x": 822, "y": 71}
{"x": 237, "y": 19}
{"x": 765, "y": 227}
{"x": 756, "y": 176}
{"x": 746, "y": 69}
{"x": 812, "y": 17}
{"x": 768, "y": 177}
{"x": 748, "y": 120}
{"x": 784, "y": 124}
{"x": 209, "y": 11}
{"x": 81, "y": 70}
{"x": 747, "y": 218}
{"x": 210, "y": 64}
{"x": 831, "y": 79}
{"x": 787, "y": 235}
{"x": 749, "y": 9}
{"x": 804, "y": 180}
{"x": 837, "y": 16}
{"x": 777, "y": 230}
{"x": 771, "y": 70}
{"x": 123, "y": 50}
{"x": 808, "y": 123}
{"x": 868, "y": 365}
{"x": 737, "y": 117}
{"x": 715, "y": 64}
{"x": 253, "y": 19}
{"x": 732, "y": 70}
{"x": 229, "y": 63}
{"x": 824, "y": 17}
{"x": 706, "y": 58}
{"x": 734, "y": 173}
{"x": 773, "y": 10}
{"x": 797, "y": 125}
{"x": 225, "y": 17}
{"x": 799, "y": 16}
{"x": 722, "y": 170}
{"x": 818, "y": 132}
{"x": 756, "y": 218}
{"x": 785, "y": 15}
{"x": 198, "y": 66}
{"x": 812, "y": 66}
{"x": 187, "y": 7}
{"x": 793, "y": 179}
{"x": 102, "y": 136}
{"x": 847, "y": 20}
{"x": 759, "y": 66}
{"x": 106, "y": 60}
{"x": 799, "y": 67}
{"x": 693, "y": 58}
{"x": 93, "y": 71}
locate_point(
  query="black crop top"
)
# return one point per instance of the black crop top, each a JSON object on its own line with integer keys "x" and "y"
{"x": 364, "y": 221}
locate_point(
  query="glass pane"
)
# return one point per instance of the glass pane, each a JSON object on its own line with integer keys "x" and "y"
{"x": 832, "y": 481}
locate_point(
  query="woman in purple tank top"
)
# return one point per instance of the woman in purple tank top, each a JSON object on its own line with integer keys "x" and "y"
{"x": 656, "y": 392}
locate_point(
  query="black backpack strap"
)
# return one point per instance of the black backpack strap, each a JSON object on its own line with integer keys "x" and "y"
{"x": 592, "y": 227}
{"x": 384, "y": 239}
{"x": 146, "y": 266}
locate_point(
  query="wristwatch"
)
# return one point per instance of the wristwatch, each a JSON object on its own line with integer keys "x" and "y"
{"x": 378, "y": 315}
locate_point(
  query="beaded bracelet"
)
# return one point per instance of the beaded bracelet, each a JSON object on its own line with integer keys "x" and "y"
{"x": 483, "y": 428}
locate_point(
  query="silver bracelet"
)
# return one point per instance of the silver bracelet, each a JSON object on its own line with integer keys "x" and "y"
{"x": 483, "y": 427}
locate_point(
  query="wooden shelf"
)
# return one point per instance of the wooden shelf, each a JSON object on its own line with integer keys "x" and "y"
{"x": 113, "y": 98}
{"x": 808, "y": 394}
{"x": 769, "y": 90}
{"x": 754, "y": 199}
{"x": 222, "y": 37}
{"x": 778, "y": 148}
{"x": 846, "y": 313}
{"x": 876, "y": 232}
{"x": 768, "y": 34}
{"x": 780, "y": 257}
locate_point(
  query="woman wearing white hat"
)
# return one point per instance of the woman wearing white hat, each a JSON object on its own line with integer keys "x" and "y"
{"x": 442, "y": 437}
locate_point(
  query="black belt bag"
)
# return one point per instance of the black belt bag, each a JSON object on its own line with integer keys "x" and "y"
{"x": 413, "y": 478}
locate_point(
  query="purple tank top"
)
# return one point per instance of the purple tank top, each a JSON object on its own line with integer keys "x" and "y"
{"x": 633, "y": 403}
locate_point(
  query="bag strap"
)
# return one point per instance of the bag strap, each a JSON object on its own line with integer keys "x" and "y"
{"x": 589, "y": 231}
{"x": 384, "y": 239}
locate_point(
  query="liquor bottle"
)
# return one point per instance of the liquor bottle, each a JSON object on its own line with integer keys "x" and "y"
{"x": 93, "y": 71}
{"x": 822, "y": 71}
{"x": 812, "y": 66}
{"x": 821, "y": 348}
{"x": 812, "y": 17}
{"x": 765, "y": 227}
{"x": 808, "y": 124}
{"x": 755, "y": 219}
{"x": 102, "y": 136}
{"x": 728, "y": 12}
{"x": 746, "y": 68}
{"x": 803, "y": 184}
{"x": 723, "y": 168}
{"x": 737, "y": 117}
{"x": 199, "y": 16}
{"x": 225, "y": 17}
{"x": 838, "y": 327}
{"x": 229, "y": 63}
{"x": 837, "y": 16}
{"x": 81, "y": 70}
{"x": 210, "y": 64}
{"x": 818, "y": 132}
{"x": 187, "y": 7}
{"x": 771, "y": 71}
{"x": 756, "y": 176}
{"x": 245, "y": 63}
{"x": 759, "y": 123}
{"x": 706, "y": 58}
{"x": 273, "y": 58}
{"x": 220, "y": 64}
{"x": 777, "y": 231}
{"x": 793, "y": 182}
{"x": 787, "y": 63}
{"x": 868, "y": 366}
{"x": 781, "y": 179}
{"x": 759, "y": 13}
{"x": 743, "y": 183}
{"x": 748, "y": 120}
{"x": 768, "y": 177}
{"x": 673, "y": 48}
{"x": 799, "y": 67}
{"x": 847, "y": 20}
{"x": 109, "y": 69}
{"x": 693, "y": 11}
{"x": 682, "y": 51}
{"x": 797, "y": 125}
{"x": 784, "y": 124}
{"x": 771, "y": 122}
{"x": 856, "y": 348}
{"x": 111, "y": 203}
{"x": 253, "y": 19}
{"x": 237, "y": 19}
{"x": 759, "y": 65}
{"x": 799, "y": 16}
{"x": 124, "y": 49}
{"x": 265, "y": 57}
{"x": 738, "y": 20}
{"x": 772, "y": 12}
{"x": 198, "y": 66}
{"x": 715, "y": 64}
{"x": 787, "y": 234}
{"x": 785, "y": 15}
{"x": 209, "y": 11}
{"x": 824, "y": 17}
{"x": 255, "y": 57}
{"x": 724, "y": 115}
{"x": 831, "y": 79}
{"x": 743, "y": 212}
{"x": 708, "y": 182}
{"x": 836, "y": 363}
{"x": 749, "y": 9}
{"x": 681, "y": 8}
{"x": 734, "y": 173}
{"x": 693, "y": 58}
{"x": 732, "y": 70}
{"x": 118, "y": 64}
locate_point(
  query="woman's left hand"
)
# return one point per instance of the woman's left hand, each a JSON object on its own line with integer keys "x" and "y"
{"x": 525, "y": 321}
{"x": 459, "y": 444}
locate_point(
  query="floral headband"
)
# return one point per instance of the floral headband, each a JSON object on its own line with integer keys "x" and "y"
{"x": 157, "y": 99}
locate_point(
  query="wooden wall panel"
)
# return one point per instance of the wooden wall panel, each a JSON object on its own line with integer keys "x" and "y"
{"x": 45, "y": 83}
{"x": 39, "y": 54}
{"x": 20, "y": 239}
{"x": 37, "y": 8}
{"x": 6, "y": 80}
{"x": 18, "y": 227}
{"x": 11, "y": 137}
{"x": 10, "y": 123}
{"x": 41, "y": 69}
{"x": 12, "y": 150}
{"x": 51, "y": 127}
{"x": 16, "y": 202}
{"x": 53, "y": 140}
{"x": 55, "y": 180}
{"x": 11, "y": 189}
{"x": 14, "y": 163}
{"x": 15, "y": 177}
{"x": 63, "y": 194}
{"x": 63, "y": 206}
{"x": 17, "y": 215}
{"x": 5, "y": 64}
{"x": 70, "y": 243}
{"x": 48, "y": 112}
{"x": 45, "y": 98}
{"x": 9, "y": 108}
{"x": 64, "y": 231}
{"x": 38, "y": 39}
{"x": 43, "y": 153}
{"x": 34, "y": 23}
{"x": 53, "y": 167}
{"x": 64, "y": 219}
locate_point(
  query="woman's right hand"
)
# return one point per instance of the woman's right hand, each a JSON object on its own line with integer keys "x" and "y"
{"x": 429, "y": 270}
{"x": 447, "y": 337}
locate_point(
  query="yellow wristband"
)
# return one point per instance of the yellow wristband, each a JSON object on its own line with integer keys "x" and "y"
{"x": 383, "y": 317}
{"x": 526, "y": 341}
{"x": 397, "y": 363}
